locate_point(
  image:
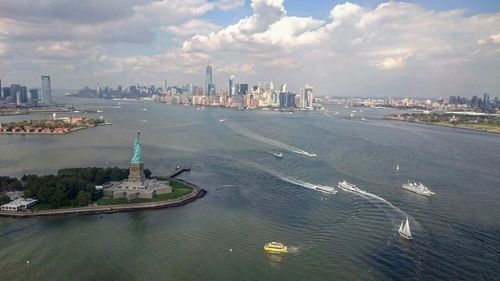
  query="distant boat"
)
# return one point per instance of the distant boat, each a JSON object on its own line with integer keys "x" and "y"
{"x": 418, "y": 188}
{"x": 313, "y": 155}
{"x": 347, "y": 186}
{"x": 99, "y": 111}
{"x": 397, "y": 167}
{"x": 222, "y": 120}
{"x": 362, "y": 118}
{"x": 404, "y": 230}
{"x": 352, "y": 115}
{"x": 278, "y": 155}
{"x": 145, "y": 109}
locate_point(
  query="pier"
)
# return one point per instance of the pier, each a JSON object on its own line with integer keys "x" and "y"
{"x": 178, "y": 170}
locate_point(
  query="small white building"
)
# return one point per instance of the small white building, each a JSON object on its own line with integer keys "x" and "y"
{"x": 19, "y": 204}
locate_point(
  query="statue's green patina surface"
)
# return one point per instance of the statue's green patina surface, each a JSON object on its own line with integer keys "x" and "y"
{"x": 137, "y": 157}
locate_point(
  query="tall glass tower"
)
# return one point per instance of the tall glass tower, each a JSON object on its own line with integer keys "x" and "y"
{"x": 232, "y": 88}
{"x": 208, "y": 80}
{"x": 46, "y": 90}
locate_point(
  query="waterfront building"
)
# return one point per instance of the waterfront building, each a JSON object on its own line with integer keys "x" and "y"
{"x": 1, "y": 91}
{"x": 136, "y": 186}
{"x": 19, "y": 204}
{"x": 46, "y": 90}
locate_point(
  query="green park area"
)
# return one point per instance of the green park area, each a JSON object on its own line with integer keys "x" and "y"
{"x": 488, "y": 123}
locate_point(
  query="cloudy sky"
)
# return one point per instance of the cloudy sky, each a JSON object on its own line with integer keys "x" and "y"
{"x": 360, "y": 48}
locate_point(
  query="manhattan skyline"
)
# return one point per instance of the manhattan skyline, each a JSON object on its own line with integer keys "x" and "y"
{"x": 362, "y": 48}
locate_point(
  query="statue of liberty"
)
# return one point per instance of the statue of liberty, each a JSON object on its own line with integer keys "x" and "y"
{"x": 137, "y": 157}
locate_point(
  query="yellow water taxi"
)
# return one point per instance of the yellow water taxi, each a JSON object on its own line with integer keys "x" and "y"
{"x": 275, "y": 247}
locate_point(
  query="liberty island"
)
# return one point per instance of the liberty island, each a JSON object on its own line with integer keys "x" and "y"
{"x": 137, "y": 192}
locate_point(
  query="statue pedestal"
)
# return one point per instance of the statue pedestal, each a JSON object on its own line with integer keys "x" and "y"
{"x": 136, "y": 173}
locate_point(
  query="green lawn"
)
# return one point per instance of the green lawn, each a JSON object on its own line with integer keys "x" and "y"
{"x": 178, "y": 189}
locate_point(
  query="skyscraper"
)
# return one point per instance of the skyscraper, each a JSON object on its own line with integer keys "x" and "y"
{"x": 165, "y": 87}
{"x": 232, "y": 89}
{"x": 486, "y": 102}
{"x": 46, "y": 90}
{"x": 15, "y": 92}
{"x": 308, "y": 96}
{"x": 208, "y": 79}
{"x": 243, "y": 89}
{"x": 1, "y": 91}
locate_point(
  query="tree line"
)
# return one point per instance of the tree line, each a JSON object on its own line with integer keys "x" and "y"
{"x": 72, "y": 187}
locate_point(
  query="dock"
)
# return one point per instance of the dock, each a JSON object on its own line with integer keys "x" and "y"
{"x": 178, "y": 170}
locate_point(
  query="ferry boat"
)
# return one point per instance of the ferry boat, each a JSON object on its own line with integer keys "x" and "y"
{"x": 347, "y": 186}
{"x": 418, "y": 188}
{"x": 278, "y": 155}
{"x": 404, "y": 230}
{"x": 275, "y": 247}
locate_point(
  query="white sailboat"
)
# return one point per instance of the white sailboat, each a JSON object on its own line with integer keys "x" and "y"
{"x": 404, "y": 229}
{"x": 397, "y": 167}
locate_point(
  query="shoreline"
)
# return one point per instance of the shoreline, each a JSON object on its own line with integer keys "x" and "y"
{"x": 442, "y": 125}
{"x": 196, "y": 193}
{"x": 53, "y": 133}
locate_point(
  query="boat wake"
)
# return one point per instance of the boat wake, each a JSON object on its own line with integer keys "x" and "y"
{"x": 317, "y": 187}
{"x": 377, "y": 199}
{"x": 241, "y": 131}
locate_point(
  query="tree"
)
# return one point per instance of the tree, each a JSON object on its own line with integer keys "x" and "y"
{"x": 4, "y": 199}
{"x": 83, "y": 198}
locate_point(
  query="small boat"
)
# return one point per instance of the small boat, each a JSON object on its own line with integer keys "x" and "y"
{"x": 404, "y": 230}
{"x": 397, "y": 167}
{"x": 278, "y": 155}
{"x": 313, "y": 155}
{"x": 99, "y": 111}
{"x": 362, "y": 118}
{"x": 347, "y": 186}
{"x": 222, "y": 120}
{"x": 275, "y": 247}
{"x": 145, "y": 109}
